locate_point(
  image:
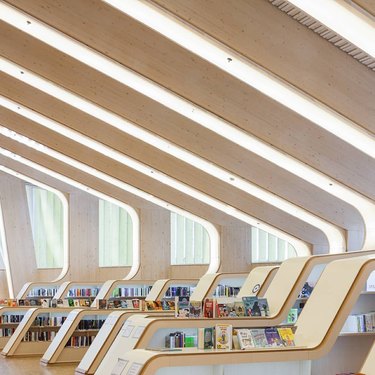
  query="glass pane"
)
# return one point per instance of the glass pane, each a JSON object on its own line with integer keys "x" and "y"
{"x": 115, "y": 236}
{"x": 47, "y": 225}
{"x": 267, "y": 248}
{"x": 190, "y": 242}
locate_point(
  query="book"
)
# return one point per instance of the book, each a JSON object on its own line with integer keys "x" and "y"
{"x": 221, "y": 310}
{"x": 223, "y": 336}
{"x": 286, "y": 335}
{"x": 205, "y": 338}
{"x": 251, "y": 304}
{"x": 259, "y": 337}
{"x": 182, "y": 307}
{"x": 239, "y": 308}
{"x": 195, "y": 309}
{"x": 245, "y": 339}
{"x": 208, "y": 308}
{"x": 102, "y": 304}
{"x": 273, "y": 336}
{"x": 263, "y": 305}
{"x": 292, "y": 316}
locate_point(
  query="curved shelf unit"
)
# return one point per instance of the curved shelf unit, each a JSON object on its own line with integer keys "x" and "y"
{"x": 106, "y": 335}
{"x": 17, "y": 346}
{"x": 281, "y": 295}
{"x": 10, "y": 318}
{"x": 78, "y": 289}
{"x": 312, "y": 340}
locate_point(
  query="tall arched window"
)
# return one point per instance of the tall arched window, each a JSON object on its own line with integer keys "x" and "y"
{"x": 267, "y": 248}
{"x": 190, "y": 242}
{"x": 47, "y": 225}
{"x": 115, "y": 235}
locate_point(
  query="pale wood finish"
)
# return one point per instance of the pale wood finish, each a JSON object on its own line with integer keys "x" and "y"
{"x": 65, "y": 16}
{"x": 367, "y": 5}
{"x": 350, "y": 275}
{"x": 203, "y": 182}
{"x": 368, "y": 367}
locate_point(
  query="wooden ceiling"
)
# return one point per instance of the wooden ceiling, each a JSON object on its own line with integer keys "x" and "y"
{"x": 258, "y": 31}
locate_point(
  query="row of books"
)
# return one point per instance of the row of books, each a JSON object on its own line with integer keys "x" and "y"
{"x": 42, "y": 292}
{"x": 183, "y": 291}
{"x": 113, "y": 303}
{"x": 222, "y": 307}
{"x": 131, "y": 291}
{"x": 6, "y": 332}
{"x": 360, "y": 323}
{"x": 80, "y": 341}
{"x": 226, "y": 291}
{"x": 83, "y": 292}
{"x": 51, "y": 321}
{"x": 11, "y": 318}
{"x": 180, "y": 340}
{"x": 86, "y": 324}
{"x": 39, "y": 336}
{"x": 223, "y": 336}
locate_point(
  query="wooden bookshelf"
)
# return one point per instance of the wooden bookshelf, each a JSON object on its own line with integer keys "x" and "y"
{"x": 107, "y": 334}
{"x": 10, "y": 317}
{"x": 315, "y": 334}
{"x": 69, "y": 289}
{"x": 25, "y": 340}
{"x": 368, "y": 366}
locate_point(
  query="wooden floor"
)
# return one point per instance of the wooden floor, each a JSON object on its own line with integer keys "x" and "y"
{"x": 31, "y": 366}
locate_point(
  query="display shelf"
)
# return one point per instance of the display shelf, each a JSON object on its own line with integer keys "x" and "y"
{"x": 123, "y": 288}
{"x": 33, "y": 334}
{"x": 314, "y": 336}
{"x": 68, "y": 345}
{"x": 38, "y": 290}
{"x": 107, "y": 334}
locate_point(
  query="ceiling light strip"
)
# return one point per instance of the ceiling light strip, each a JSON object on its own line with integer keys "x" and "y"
{"x": 300, "y": 246}
{"x": 168, "y": 99}
{"x": 335, "y": 236}
{"x": 241, "y": 68}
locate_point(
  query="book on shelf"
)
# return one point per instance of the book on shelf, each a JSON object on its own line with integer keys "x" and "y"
{"x": 195, "y": 309}
{"x": 263, "y": 305}
{"x": 182, "y": 306}
{"x": 239, "y": 308}
{"x": 223, "y": 336}
{"x": 273, "y": 336}
{"x": 208, "y": 308}
{"x": 205, "y": 338}
{"x": 251, "y": 305}
{"x": 292, "y": 316}
{"x": 306, "y": 290}
{"x": 286, "y": 335}
{"x": 245, "y": 339}
{"x": 102, "y": 304}
{"x": 259, "y": 337}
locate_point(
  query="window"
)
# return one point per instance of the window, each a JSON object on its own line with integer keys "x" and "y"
{"x": 115, "y": 236}
{"x": 267, "y": 248}
{"x": 47, "y": 225}
{"x": 190, "y": 242}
